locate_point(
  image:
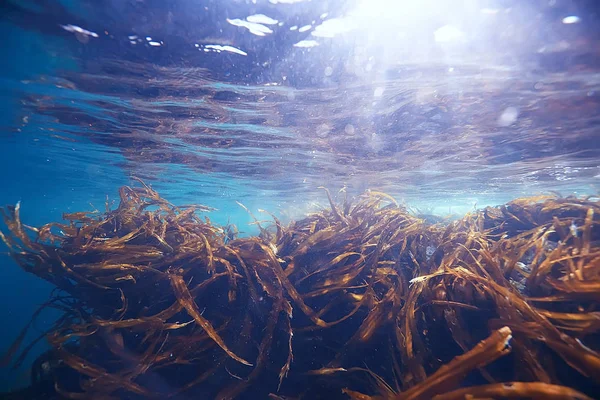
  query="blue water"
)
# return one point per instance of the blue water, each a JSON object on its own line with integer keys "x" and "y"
{"x": 511, "y": 108}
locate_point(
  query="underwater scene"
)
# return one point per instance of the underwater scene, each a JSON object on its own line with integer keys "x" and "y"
{"x": 300, "y": 199}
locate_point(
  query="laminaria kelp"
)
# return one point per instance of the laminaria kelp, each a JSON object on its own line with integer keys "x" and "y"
{"x": 364, "y": 300}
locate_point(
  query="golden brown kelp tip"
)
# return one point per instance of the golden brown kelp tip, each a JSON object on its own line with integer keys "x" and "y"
{"x": 363, "y": 300}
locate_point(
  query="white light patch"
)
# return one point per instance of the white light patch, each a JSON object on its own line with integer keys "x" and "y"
{"x": 230, "y": 49}
{"x": 261, "y": 19}
{"x": 285, "y": 1}
{"x": 306, "y": 43}
{"x": 490, "y": 11}
{"x": 154, "y": 44}
{"x": 332, "y": 27}
{"x": 448, "y": 33}
{"x": 254, "y": 28}
{"x": 78, "y": 29}
{"x": 305, "y": 28}
{"x": 132, "y": 37}
{"x": 571, "y": 19}
{"x": 294, "y": 28}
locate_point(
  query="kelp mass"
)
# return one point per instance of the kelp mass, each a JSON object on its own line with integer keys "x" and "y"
{"x": 364, "y": 300}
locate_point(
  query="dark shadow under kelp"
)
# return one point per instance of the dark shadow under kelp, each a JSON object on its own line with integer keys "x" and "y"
{"x": 364, "y": 300}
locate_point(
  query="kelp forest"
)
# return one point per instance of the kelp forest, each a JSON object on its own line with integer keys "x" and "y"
{"x": 365, "y": 299}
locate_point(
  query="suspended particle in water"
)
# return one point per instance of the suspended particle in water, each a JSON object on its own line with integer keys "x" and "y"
{"x": 323, "y": 130}
{"x": 508, "y": 117}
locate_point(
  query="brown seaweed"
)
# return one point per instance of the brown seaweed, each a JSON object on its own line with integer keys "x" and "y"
{"x": 158, "y": 302}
